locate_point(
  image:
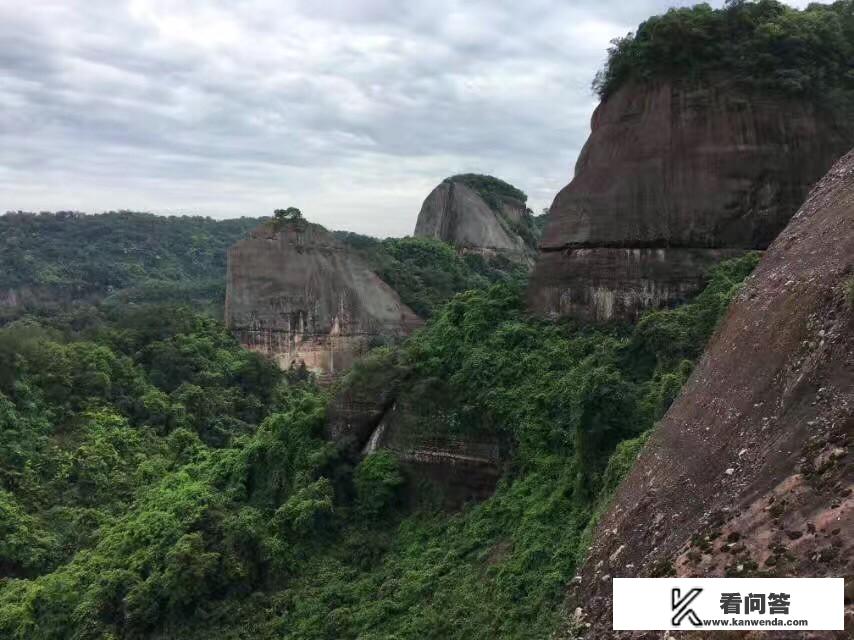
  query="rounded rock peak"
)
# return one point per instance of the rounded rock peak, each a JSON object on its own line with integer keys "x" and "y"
{"x": 481, "y": 214}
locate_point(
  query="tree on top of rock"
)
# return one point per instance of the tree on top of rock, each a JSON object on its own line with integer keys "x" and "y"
{"x": 285, "y": 217}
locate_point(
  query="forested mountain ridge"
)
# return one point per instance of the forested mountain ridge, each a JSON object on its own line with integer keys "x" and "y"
{"x": 57, "y": 258}
{"x": 53, "y": 259}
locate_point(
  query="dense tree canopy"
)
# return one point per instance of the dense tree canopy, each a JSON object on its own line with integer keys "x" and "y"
{"x": 156, "y": 480}
{"x": 762, "y": 43}
{"x": 426, "y": 273}
{"x": 135, "y": 257}
{"x": 490, "y": 188}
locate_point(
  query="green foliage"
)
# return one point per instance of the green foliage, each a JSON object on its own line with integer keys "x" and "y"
{"x": 284, "y": 217}
{"x": 378, "y": 481}
{"x": 491, "y": 189}
{"x": 130, "y": 257}
{"x": 426, "y": 273}
{"x": 849, "y": 293}
{"x": 765, "y": 44}
{"x": 156, "y": 480}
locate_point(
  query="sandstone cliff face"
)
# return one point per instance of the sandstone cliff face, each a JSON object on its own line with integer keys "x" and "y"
{"x": 751, "y": 471}
{"x": 301, "y": 297}
{"x": 674, "y": 177}
{"x": 456, "y": 214}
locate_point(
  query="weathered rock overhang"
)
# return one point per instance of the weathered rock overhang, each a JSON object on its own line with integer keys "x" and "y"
{"x": 462, "y": 467}
{"x": 618, "y": 283}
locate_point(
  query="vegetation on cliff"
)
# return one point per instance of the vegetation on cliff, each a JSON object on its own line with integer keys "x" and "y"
{"x": 157, "y": 480}
{"x": 426, "y": 273}
{"x": 493, "y": 190}
{"x": 135, "y": 257}
{"x": 765, "y": 44}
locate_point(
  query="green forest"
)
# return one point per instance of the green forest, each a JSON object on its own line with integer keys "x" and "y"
{"x": 765, "y": 44}
{"x": 159, "y": 481}
{"x": 129, "y": 258}
{"x": 51, "y": 259}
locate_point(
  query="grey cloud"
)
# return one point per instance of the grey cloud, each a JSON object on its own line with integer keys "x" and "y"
{"x": 350, "y": 109}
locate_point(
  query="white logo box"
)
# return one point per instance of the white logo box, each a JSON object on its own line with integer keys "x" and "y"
{"x": 735, "y": 604}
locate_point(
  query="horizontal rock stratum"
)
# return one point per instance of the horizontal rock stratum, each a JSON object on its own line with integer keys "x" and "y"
{"x": 674, "y": 177}
{"x": 303, "y": 298}
{"x": 751, "y": 470}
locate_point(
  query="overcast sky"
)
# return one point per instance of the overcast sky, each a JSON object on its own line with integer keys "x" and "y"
{"x": 352, "y": 110}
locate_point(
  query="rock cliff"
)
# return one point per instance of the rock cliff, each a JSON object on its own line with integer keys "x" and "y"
{"x": 674, "y": 177}
{"x": 301, "y": 297}
{"x": 479, "y": 214}
{"x": 751, "y": 470}
{"x": 380, "y": 406}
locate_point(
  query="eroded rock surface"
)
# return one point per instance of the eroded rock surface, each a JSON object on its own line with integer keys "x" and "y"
{"x": 455, "y": 213}
{"x": 376, "y": 407}
{"x": 464, "y": 467}
{"x": 751, "y": 470}
{"x": 301, "y": 297}
{"x": 696, "y": 171}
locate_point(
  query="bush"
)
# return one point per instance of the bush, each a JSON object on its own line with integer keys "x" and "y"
{"x": 493, "y": 190}
{"x": 378, "y": 481}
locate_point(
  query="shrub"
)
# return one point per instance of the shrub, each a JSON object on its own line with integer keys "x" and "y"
{"x": 378, "y": 481}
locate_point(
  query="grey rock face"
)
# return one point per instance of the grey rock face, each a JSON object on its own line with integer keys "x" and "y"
{"x": 301, "y": 297}
{"x": 456, "y": 214}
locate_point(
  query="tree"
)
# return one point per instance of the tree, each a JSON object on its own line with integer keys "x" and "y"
{"x": 289, "y": 216}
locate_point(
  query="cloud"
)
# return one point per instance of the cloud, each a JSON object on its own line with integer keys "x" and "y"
{"x": 351, "y": 110}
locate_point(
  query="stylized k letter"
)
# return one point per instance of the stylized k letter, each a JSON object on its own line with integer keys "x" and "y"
{"x": 680, "y": 606}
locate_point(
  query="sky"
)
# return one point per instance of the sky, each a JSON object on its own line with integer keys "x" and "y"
{"x": 351, "y": 110}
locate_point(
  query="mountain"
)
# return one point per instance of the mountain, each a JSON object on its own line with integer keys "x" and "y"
{"x": 301, "y": 297}
{"x": 122, "y": 257}
{"x": 479, "y": 214}
{"x": 750, "y": 471}
{"x": 696, "y": 156}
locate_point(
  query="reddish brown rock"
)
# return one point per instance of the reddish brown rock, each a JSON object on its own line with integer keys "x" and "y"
{"x": 699, "y": 168}
{"x": 751, "y": 471}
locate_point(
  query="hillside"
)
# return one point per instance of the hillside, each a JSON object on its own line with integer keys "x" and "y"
{"x": 48, "y": 260}
{"x": 427, "y": 272}
{"x": 159, "y": 481}
{"x": 57, "y": 258}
